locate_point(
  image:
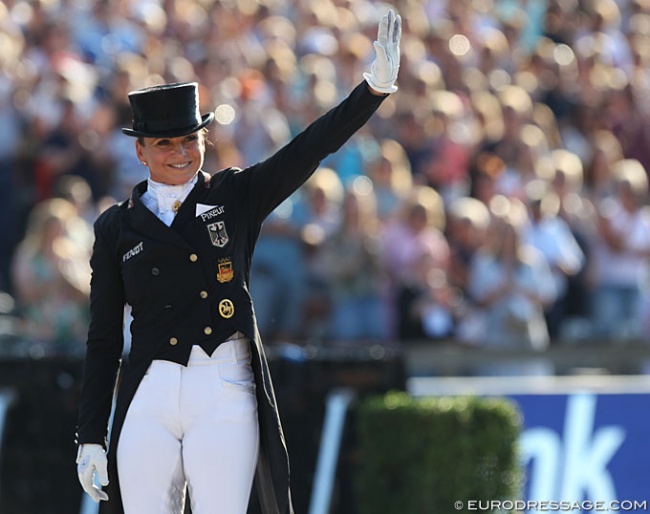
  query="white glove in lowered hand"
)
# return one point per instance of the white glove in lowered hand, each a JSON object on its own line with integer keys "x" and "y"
{"x": 91, "y": 459}
{"x": 383, "y": 71}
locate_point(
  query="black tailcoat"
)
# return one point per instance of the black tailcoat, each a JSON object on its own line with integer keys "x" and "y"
{"x": 189, "y": 284}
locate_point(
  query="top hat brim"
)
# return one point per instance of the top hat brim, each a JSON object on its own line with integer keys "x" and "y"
{"x": 206, "y": 119}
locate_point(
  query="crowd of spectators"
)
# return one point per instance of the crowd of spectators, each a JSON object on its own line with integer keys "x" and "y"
{"x": 499, "y": 198}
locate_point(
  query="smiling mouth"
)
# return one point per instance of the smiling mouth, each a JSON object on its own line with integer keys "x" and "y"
{"x": 180, "y": 166}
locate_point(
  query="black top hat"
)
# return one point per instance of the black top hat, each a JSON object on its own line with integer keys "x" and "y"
{"x": 169, "y": 110}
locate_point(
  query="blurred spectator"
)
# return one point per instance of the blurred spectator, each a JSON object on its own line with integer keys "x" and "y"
{"x": 624, "y": 117}
{"x": 621, "y": 250}
{"x": 64, "y": 150}
{"x": 355, "y": 157}
{"x": 412, "y": 241}
{"x": 391, "y": 179}
{"x": 546, "y": 231}
{"x": 545, "y": 119}
{"x": 278, "y": 274}
{"x": 489, "y": 100}
{"x": 260, "y": 128}
{"x": 561, "y": 18}
{"x": 601, "y": 33}
{"x": 51, "y": 276}
{"x": 104, "y": 31}
{"x": 606, "y": 150}
{"x": 486, "y": 171}
{"x": 488, "y": 118}
{"x": 123, "y": 169}
{"x": 467, "y": 229}
{"x": 411, "y": 133}
{"x": 517, "y": 108}
{"x": 320, "y": 214}
{"x": 468, "y": 220}
{"x": 564, "y": 172}
{"x": 351, "y": 264}
{"x": 427, "y": 304}
{"x": 531, "y": 147}
{"x": 446, "y": 166}
{"x": 512, "y": 282}
{"x": 76, "y": 190}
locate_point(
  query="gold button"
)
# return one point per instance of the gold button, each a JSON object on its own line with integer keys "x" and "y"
{"x": 207, "y": 331}
{"x": 173, "y": 341}
{"x": 194, "y": 257}
{"x": 204, "y": 294}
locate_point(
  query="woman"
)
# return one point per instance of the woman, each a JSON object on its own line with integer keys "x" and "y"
{"x": 351, "y": 262}
{"x": 513, "y": 284}
{"x": 411, "y": 244}
{"x": 195, "y": 406}
{"x": 50, "y": 274}
{"x": 621, "y": 248}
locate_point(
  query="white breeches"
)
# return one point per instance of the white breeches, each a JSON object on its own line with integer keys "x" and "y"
{"x": 194, "y": 426}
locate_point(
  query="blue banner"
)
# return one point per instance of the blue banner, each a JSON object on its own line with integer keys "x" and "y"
{"x": 585, "y": 444}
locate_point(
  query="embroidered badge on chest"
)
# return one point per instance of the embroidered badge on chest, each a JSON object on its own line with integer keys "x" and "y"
{"x": 225, "y": 273}
{"x": 218, "y": 234}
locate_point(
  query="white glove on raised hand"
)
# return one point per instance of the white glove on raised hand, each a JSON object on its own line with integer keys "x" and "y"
{"x": 91, "y": 459}
{"x": 383, "y": 71}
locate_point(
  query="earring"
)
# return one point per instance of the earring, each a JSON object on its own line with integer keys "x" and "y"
{"x": 144, "y": 163}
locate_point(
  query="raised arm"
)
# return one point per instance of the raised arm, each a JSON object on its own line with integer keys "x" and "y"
{"x": 274, "y": 179}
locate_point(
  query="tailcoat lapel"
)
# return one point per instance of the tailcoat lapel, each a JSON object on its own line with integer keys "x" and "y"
{"x": 187, "y": 212}
{"x": 146, "y": 222}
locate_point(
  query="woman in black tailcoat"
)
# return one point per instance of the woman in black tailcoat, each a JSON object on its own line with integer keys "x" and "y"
{"x": 195, "y": 408}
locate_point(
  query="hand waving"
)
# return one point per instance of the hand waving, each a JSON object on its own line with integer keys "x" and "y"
{"x": 383, "y": 71}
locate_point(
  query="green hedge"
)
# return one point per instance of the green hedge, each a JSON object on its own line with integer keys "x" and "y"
{"x": 423, "y": 455}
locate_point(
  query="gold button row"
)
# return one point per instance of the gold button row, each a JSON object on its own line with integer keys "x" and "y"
{"x": 174, "y": 341}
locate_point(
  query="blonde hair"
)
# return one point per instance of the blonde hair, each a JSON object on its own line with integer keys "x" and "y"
{"x": 470, "y": 209}
{"x": 362, "y": 191}
{"x": 431, "y": 201}
{"x": 53, "y": 209}
{"x": 632, "y": 173}
{"x": 328, "y": 181}
{"x": 394, "y": 154}
{"x": 517, "y": 99}
{"x": 570, "y": 165}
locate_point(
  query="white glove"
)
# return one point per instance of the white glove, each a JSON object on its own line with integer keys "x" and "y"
{"x": 91, "y": 460}
{"x": 383, "y": 71}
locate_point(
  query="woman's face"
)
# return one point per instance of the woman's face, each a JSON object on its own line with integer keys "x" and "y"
{"x": 172, "y": 160}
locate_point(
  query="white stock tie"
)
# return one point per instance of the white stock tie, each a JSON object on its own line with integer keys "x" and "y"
{"x": 168, "y": 198}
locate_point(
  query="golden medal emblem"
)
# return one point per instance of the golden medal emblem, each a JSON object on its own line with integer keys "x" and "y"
{"x": 226, "y": 308}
